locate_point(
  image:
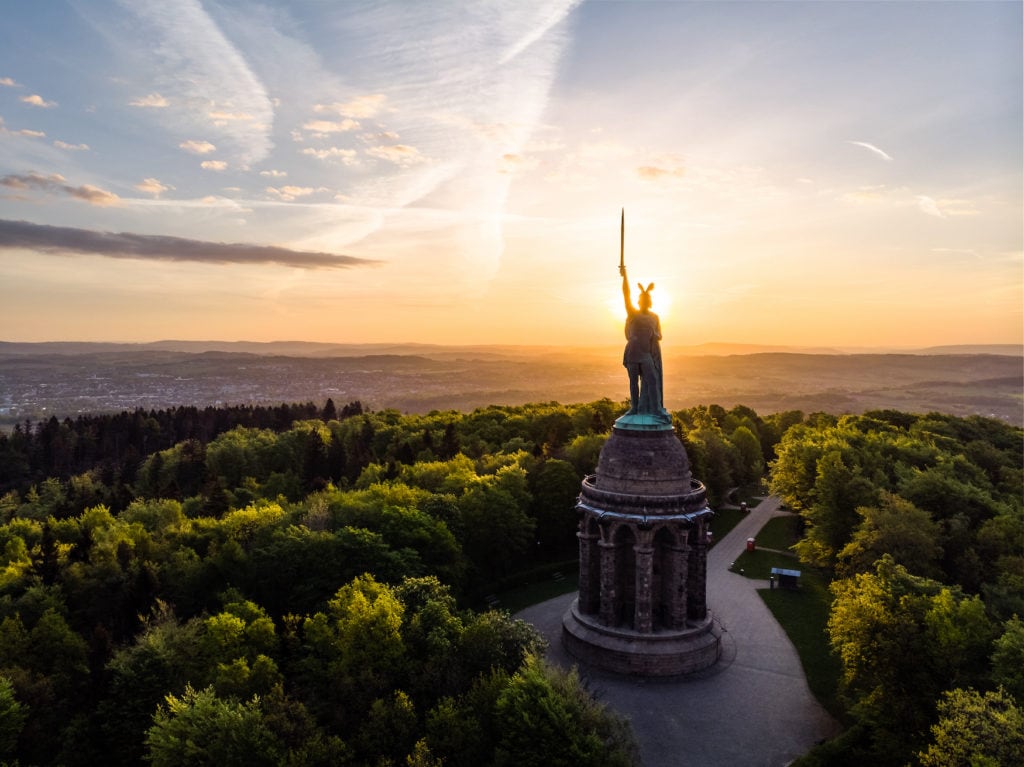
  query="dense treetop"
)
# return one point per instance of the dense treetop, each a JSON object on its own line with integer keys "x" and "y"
{"x": 920, "y": 521}
{"x": 303, "y": 582}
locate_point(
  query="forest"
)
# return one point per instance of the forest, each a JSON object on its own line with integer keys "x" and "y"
{"x": 918, "y": 522}
{"x": 307, "y": 585}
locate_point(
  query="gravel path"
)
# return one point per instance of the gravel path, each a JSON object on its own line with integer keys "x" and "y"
{"x": 752, "y": 709}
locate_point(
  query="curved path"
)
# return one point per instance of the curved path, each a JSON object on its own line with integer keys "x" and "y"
{"x": 752, "y": 709}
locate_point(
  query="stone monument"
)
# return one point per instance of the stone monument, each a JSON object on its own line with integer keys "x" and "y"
{"x": 643, "y": 532}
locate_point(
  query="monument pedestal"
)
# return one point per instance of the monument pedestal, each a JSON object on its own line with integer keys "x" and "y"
{"x": 624, "y": 651}
{"x": 643, "y": 531}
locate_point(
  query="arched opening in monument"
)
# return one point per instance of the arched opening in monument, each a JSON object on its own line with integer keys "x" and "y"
{"x": 625, "y": 575}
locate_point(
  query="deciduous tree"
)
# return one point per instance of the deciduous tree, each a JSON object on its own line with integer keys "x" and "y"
{"x": 976, "y": 730}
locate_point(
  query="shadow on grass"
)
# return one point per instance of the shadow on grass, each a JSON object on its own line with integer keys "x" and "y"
{"x": 520, "y": 597}
{"x": 780, "y": 532}
{"x": 724, "y": 521}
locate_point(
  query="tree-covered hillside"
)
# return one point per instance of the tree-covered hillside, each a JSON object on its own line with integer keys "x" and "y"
{"x": 191, "y": 586}
{"x": 919, "y": 519}
{"x": 305, "y": 583}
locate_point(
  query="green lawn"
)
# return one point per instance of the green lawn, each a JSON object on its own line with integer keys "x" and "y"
{"x": 519, "y": 597}
{"x": 780, "y": 533}
{"x": 724, "y": 521}
{"x": 758, "y": 564}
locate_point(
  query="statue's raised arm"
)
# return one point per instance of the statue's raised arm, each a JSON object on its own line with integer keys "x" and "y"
{"x": 626, "y": 297}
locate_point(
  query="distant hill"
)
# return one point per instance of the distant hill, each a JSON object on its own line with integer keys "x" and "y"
{"x": 268, "y": 348}
{"x": 1013, "y": 350}
{"x": 322, "y": 349}
{"x": 722, "y": 349}
{"x": 64, "y": 379}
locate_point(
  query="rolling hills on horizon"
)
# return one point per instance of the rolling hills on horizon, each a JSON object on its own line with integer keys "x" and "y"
{"x": 321, "y": 348}
{"x": 42, "y": 380}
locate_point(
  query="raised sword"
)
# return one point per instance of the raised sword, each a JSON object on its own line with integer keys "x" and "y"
{"x": 622, "y": 242}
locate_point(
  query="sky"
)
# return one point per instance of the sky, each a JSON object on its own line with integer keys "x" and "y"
{"x": 808, "y": 174}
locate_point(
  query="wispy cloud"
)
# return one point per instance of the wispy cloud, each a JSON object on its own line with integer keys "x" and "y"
{"x": 902, "y": 198}
{"x": 221, "y": 118}
{"x": 57, "y": 185}
{"x": 872, "y": 148}
{"x": 323, "y": 127}
{"x": 945, "y": 208}
{"x": 152, "y": 101}
{"x": 274, "y": 173}
{"x": 345, "y": 156}
{"x": 27, "y": 132}
{"x": 360, "y": 108}
{"x": 197, "y": 147}
{"x": 386, "y": 135}
{"x": 556, "y": 14}
{"x": 8, "y": 82}
{"x": 515, "y": 163}
{"x": 152, "y": 186}
{"x": 658, "y": 173}
{"x": 21, "y": 132}
{"x": 217, "y": 165}
{"x": 399, "y": 154}
{"x": 927, "y": 205}
{"x": 206, "y": 77}
{"x": 878, "y": 194}
{"x": 289, "y": 193}
{"x": 70, "y": 147}
{"x": 38, "y": 101}
{"x": 463, "y": 91}
{"x": 68, "y": 240}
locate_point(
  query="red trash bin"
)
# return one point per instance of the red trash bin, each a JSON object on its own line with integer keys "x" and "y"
{"x": 750, "y": 544}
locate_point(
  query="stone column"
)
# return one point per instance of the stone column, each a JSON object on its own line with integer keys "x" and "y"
{"x": 644, "y": 573}
{"x": 610, "y": 595}
{"x": 680, "y": 573}
{"x": 590, "y": 597}
{"x": 697, "y": 607}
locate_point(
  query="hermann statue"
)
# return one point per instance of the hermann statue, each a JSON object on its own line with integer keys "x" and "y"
{"x": 642, "y": 355}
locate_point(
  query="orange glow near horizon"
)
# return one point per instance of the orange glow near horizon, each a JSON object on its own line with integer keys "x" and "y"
{"x": 465, "y": 189}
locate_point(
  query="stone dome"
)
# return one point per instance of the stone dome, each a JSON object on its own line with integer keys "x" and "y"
{"x": 644, "y": 463}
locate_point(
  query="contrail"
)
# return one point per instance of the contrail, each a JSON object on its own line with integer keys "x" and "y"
{"x": 872, "y": 148}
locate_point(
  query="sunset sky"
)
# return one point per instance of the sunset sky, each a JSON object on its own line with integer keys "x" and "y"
{"x": 841, "y": 174}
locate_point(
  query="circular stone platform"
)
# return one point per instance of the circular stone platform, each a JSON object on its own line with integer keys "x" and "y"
{"x": 624, "y": 651}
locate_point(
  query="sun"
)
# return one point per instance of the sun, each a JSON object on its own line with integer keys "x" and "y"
{"x": 661, "y": 303}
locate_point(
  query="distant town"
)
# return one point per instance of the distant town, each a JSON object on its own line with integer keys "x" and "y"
{"x": 38, "y": 381}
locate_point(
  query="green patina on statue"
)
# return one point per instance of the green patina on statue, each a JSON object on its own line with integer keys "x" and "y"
{"x": 642, "y": 357}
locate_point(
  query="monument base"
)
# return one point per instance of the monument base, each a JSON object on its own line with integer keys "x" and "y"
{"x": 624, "y": 651}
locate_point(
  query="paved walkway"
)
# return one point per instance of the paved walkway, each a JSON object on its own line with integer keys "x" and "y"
{"x": 753, "y": 709}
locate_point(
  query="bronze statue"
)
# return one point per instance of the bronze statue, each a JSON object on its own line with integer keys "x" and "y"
{"x": 642, "y": 355}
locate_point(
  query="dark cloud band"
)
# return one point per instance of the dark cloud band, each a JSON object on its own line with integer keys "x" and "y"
{"x": 63, "y": 239}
